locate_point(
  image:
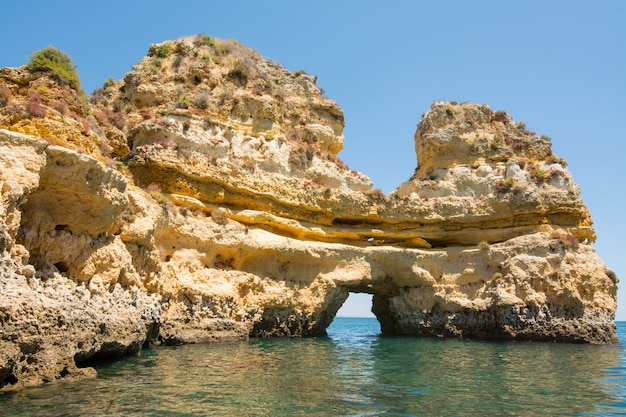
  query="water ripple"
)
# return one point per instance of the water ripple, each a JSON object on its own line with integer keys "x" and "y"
{"x": 353, "y": 372}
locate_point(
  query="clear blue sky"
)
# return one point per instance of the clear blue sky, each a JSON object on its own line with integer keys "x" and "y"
{"x": 560, "y": 66}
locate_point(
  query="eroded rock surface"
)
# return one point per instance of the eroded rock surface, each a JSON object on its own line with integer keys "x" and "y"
{"x": 204, "y": 201}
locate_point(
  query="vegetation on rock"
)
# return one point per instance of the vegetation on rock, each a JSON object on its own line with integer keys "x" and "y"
{"x": 57, "y": 63}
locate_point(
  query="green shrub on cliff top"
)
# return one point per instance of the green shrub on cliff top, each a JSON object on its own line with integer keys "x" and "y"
{"x": 58, "y": 64}
{"x": 204, "y": 39}
{"x": 164, "y": 50}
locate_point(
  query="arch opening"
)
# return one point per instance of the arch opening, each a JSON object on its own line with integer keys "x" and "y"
{"x": 357, "y": 305}
{"x": 355, "y": 317}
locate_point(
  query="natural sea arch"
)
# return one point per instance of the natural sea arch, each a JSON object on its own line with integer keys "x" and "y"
{"x": 379, "y": 296}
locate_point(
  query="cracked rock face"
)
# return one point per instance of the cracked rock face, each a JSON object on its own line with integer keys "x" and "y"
{"x": 207, "y": 203}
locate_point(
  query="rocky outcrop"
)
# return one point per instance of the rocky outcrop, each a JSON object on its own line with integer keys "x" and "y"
{"x": 205, "y": 202}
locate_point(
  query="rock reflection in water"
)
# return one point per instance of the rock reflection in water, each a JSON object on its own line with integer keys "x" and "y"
{"x": 349, "y": 373}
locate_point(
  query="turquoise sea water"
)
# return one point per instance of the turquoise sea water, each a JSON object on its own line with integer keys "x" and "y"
{"x": 352, "y": 372}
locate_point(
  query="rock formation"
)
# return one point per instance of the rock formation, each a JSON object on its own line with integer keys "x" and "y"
{"x": 201, "y": 199}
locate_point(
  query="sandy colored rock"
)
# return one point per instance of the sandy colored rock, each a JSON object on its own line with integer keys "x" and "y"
{"x": 215, "y": 208}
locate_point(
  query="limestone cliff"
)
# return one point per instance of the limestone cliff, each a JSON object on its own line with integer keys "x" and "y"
{"x": 201, "y": 199}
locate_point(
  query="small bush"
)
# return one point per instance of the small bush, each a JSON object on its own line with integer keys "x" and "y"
{"x": 204, "y": 39}
{"x": 156, "y": 65}
{"x": 5, "y": 96}
{"x": 206, "y": 59}
{"x": 500, "y": 116}
{"x": 201, "y": 99}
{"x": 60, "y": 106}
{"x": 84, "y": 103}
{"x": 164, "y": 50}
{"x": 108, "y": 83}
{"x": 183, "y": 102}
{"x": 34, "y": 108}
{"x": 301, "y": 157}
{"x": 86, "y": 126}
{"x": 518, "y": 144}
{"x": 226, "y": 96}
{"x": 239, "y": 74}
{"x": 498, "y": 141}
{"x": 155, "y": 192}
{"x": 97, "y": 96}
{"x": 566, "y": 239}
{"x": 58, "y": 64}
{"x": 102, "y": 118}
{"x": 541, "y": 175}
{"x": 538, "y": 174}
{"x": 118, "y": 119}
{"x": 219, "y": 216}
{"x": 504, "y": 185}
